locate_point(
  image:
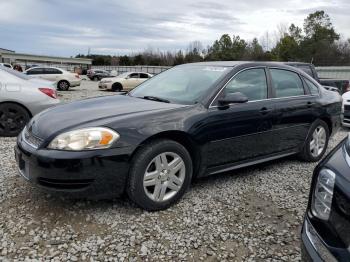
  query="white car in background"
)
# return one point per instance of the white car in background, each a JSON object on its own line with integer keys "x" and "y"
{"x": 62, "y": 78}
{"x": 22, "y": 97}
{"x": 6, "y": 65}
{"x": 124, "y": 82}
{"x": 346, "y": 109}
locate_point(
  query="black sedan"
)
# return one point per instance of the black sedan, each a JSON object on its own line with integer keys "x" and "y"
{"x": 326, "y": 230}
{"x": 190, "y": 121}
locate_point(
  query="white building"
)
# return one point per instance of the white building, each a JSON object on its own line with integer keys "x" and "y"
{"x": 26, "y": 60}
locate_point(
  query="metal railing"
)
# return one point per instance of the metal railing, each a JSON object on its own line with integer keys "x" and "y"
{"x": 122, "y": 69}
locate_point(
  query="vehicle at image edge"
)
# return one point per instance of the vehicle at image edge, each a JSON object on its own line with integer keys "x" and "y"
{"x": 6, "y": 65}
{"x": 190, "y": 121}
{"x": 97, "y": 74}
{"x": 346, "y": 109}
{"x": 124, "y": 82}
{"x": 340, "y": 85}
{"x": 63, "y": 78}
{"x": 21, "y": 98}
{"x": 325, "y": 232}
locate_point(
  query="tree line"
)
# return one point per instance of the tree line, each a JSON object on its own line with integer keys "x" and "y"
{"x": 316, "y": 42}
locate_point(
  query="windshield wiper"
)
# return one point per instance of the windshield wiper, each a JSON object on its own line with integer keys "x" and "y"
{"x": 154, "y": 98}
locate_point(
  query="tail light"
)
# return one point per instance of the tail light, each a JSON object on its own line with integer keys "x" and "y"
{"x": 77, "y": 76}
{"x": 49, "y": 92}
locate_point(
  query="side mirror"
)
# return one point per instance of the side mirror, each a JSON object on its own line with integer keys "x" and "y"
{"x": 231, "y": 98}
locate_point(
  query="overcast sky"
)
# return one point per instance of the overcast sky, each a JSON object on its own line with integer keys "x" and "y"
{"x": 69, "y": 27}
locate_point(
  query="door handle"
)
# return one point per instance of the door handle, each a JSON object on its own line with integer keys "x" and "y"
{"x": 265, "y": 110}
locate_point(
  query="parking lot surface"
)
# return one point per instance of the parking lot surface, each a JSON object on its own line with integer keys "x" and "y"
{"x": 251, "y": 214}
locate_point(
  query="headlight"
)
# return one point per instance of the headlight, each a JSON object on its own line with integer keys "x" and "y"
{"x": 323, "y": 194}
{"x": 85, "y": 139}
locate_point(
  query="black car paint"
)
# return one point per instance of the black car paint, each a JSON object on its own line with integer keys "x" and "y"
{"x": 218, "y": 138}
{"x": 334, "y": 233}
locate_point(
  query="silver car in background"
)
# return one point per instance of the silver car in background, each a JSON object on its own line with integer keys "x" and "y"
{"x": 21, "y": 98}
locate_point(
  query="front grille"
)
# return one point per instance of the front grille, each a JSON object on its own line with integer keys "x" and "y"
{"x": 31, "y": 139}
{"x": 65, "y": 183}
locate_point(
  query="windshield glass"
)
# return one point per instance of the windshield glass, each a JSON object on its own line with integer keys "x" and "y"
{"x": 15, "y": 73}
{"x": 183, "y": 84}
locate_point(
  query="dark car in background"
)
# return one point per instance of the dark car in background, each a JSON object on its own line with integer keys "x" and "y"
{"x": 340, "y": 85}
{"x": 190, "y": 121}
{"x": 97, "y": 74}
{"x": 326, "y": 229}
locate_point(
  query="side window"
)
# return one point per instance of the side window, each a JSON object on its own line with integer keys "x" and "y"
{"x": 35, "y": 71}
{"x": 143, "y": 75}
{"x": 313, "y": 88}
{"x": 286, "y": 83}
{"x": 134, "y": 75}
{"x": 251, "y": 82}
{"x": 52, "y": 71}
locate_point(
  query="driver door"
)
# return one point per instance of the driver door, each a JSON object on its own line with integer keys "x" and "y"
{"x": 242, "y": 131}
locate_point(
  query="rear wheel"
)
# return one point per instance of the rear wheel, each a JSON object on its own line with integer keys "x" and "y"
{"x": 160, "y": 174}
{"x": 13, "y": 118}
{"x": 63, "y": 85}
{"x": 316, "y": 142}
{"x": 117, "y": 87}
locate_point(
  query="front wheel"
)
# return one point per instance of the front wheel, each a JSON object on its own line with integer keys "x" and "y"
{"x": 316, "y": 142}
{"x": 160, "y": 174}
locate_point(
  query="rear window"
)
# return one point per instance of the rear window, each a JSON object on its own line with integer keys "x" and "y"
{"x": 312, "y": 87}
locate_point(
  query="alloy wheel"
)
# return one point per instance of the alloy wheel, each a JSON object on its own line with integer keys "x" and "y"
{"x": 64, "y": 86}
{"x": 164, "y": 176}
{"x": 318, "y": 141}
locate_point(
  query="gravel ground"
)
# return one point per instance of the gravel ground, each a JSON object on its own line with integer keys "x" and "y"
{"x": 252, "y": 214}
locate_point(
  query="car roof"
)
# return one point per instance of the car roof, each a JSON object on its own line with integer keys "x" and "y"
{"x": 241, "y": 63}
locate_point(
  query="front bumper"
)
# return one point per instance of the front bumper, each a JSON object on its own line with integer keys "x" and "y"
{"x": 87, "y": 174}
{"x": 313, "y": 248}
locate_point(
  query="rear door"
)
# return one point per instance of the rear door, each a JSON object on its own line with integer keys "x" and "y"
{"x": 52, "y": 74}
{"x": 242, "y": 131}
{"x": 294, "y": 109}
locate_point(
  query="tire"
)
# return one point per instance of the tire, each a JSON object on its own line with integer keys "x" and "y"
{"x": 314, "y": 148}
{"x": 13, "y": 119}
{"x": 63, "y": 85}
{"x": 148, "y": 194}
{"x": 117, "y": 87}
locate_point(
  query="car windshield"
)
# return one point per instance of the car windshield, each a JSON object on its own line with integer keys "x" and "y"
{"x": 182, "y": 84}
{"x": 15, "y": 73}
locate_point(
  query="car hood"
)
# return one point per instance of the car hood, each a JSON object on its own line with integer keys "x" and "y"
{"x": 98, "y": 111}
